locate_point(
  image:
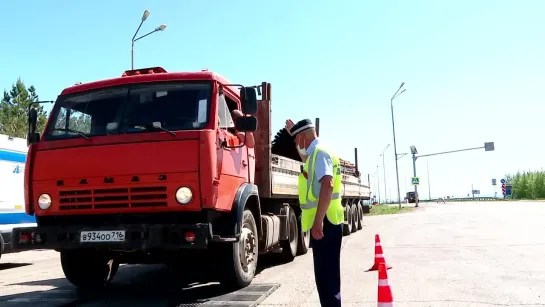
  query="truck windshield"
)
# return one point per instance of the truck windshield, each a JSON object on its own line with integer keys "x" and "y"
{"x": 134, "y": 108}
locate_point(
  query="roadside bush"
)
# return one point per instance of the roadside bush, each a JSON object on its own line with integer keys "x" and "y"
{"x": 527, "y": 185}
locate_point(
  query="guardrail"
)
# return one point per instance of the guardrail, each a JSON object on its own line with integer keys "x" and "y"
{"x": 464, "y": 199}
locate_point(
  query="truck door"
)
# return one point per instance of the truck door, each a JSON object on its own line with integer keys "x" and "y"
{"x": 232, "y": 162}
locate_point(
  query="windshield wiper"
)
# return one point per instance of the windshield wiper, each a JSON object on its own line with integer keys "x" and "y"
{"x": 73, "y": 131}
{"x": 154, "y": 127}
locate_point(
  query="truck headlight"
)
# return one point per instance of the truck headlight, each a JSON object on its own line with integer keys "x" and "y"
{"x": 184, "y": 195}
{"x": 44, "y": 201}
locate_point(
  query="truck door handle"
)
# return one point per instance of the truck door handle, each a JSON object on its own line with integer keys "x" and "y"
{"x": 244, "y": 163}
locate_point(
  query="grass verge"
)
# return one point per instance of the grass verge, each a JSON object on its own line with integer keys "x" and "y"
{"x": 384, "y": 209}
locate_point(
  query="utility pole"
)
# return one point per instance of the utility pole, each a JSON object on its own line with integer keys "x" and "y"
{"x": 384, "y": 171}
{"x": 416, "y": 198}
{"x": 429, "y": 189}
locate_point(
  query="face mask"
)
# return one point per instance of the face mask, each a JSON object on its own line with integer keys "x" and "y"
{"x": 301, "y": 150}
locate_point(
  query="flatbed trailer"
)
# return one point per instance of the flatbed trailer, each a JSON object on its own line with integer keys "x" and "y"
{"x": 116, "y": 188}
{"x": 278, "y": 166}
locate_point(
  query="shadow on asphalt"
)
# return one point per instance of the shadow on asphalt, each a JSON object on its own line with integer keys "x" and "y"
{"x": 140, "y": 285}
{"x": 7, "y": 266}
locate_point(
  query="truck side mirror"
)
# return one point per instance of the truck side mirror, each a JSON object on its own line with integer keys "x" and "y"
{"x": 32, "y": 136}
{"x": 248, "y": 100}
{"x": 246, "y": 124}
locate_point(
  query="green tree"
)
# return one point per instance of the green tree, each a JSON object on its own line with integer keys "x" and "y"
{"x": 14, "y": 110}
{"x": 77, "y": 121}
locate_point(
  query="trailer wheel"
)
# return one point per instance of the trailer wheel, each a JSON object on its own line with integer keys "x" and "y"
{"x": 355, "y": 217}
{"x": 304, "y": 239}
{"x": 238, "y": 261}
{"x": 347, "y": 230}
{"x": 360, "y": 215}
{"x": 87, "y": 269}
{"x": 290, "y": 246}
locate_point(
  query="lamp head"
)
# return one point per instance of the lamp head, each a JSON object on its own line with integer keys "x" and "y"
{"x": 145, "y": 15}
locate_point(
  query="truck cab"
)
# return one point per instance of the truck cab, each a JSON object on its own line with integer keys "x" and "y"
{"x": 143, "y": 164}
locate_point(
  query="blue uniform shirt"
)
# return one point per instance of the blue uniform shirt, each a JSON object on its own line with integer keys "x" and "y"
{"x": 323, "y": 166}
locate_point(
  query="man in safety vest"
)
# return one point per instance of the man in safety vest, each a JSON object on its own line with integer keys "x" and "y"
{"x": 321, "y": 207}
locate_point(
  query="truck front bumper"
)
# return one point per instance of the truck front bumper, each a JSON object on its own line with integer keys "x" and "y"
{"x": 136, "y": 237}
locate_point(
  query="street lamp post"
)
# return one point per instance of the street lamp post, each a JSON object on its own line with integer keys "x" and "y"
{"x": 429, "y": 185}
{"x": 378, "y": 185}
{"x": 397, "y": 93}
{"x": 134, "y": 39}
{"x": 384, "y": 170}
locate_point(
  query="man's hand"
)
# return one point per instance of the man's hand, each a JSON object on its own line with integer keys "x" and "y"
{"x": 289, "y": 125}
{"x": 317, "y": 229}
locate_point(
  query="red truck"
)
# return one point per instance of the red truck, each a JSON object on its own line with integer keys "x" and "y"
{"x": 146, "y": 168}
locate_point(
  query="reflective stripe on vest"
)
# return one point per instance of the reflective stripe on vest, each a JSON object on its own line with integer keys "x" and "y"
{"x": 311, "y": 200}
{"x": 302, "y": 185}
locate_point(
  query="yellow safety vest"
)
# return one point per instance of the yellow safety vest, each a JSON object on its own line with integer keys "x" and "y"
{"x": 309, "y": 202}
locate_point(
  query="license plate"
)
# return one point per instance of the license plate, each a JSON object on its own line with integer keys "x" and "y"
{"x": 102, "y": 236}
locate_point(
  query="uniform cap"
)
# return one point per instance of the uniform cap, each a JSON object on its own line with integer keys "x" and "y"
{"x": 301, "y": 126}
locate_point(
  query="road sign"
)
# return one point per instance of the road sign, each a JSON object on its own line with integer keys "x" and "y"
{"x": 494, "y": 181}
{"x": 415, "y": 180}
{"x": 477, "y": 192}
{"x": 502, "y": 181}
{"x": 489, "y": 146}
{"x": 503, "y": 189}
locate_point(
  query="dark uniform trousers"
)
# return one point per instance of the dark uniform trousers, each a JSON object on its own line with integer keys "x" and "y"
{"x": 327, "y": 264}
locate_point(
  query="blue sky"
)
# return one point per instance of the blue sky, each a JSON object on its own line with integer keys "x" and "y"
{"x": 474, "y": 70}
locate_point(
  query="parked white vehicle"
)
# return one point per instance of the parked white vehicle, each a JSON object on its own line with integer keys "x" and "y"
{"x": 13, "y": 153}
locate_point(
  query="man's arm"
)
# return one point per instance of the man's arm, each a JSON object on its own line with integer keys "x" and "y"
{"x": 324, "y": 175}
{"x": 247, "y": 138}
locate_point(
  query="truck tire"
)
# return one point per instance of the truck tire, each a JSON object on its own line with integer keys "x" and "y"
{"x": 289, "y": 247}
{"x": 355, "y": 217}
{"x": 238, "y": 261}
{"x": 1, "y": 245}
{"x": 303, "y": 244}
{"x": 88, "y": 269}
{"x": 347, "y": 229}
{"x": 360, "y": 215}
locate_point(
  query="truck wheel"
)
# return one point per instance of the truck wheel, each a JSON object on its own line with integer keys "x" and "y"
{"x": 304, "y": 240}
{"x": 87, "y": 269}
{"x": 355, "y": 217}
{"x": 360, "y": 215}
{"x": 1, "y": 245}
{"x": 240, "y": 258}
{"x": 347, "y": 229}
{"x": 289, "y": 247}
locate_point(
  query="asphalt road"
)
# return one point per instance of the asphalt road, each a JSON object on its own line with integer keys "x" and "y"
{"x": 454, "y": 254}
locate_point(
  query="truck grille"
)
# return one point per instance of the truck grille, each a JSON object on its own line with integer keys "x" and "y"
{"x": 136, "y": 197}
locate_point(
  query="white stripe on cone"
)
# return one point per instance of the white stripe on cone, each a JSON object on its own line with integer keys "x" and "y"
{"x": 379, "y": 256}
{"x": 377, "y": 244}
{"x": 383, "y": 282}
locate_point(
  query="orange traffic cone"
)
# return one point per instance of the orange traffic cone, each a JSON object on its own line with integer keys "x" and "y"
{"x": 379, "y": 256}
{"x": 385, "y": 298}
